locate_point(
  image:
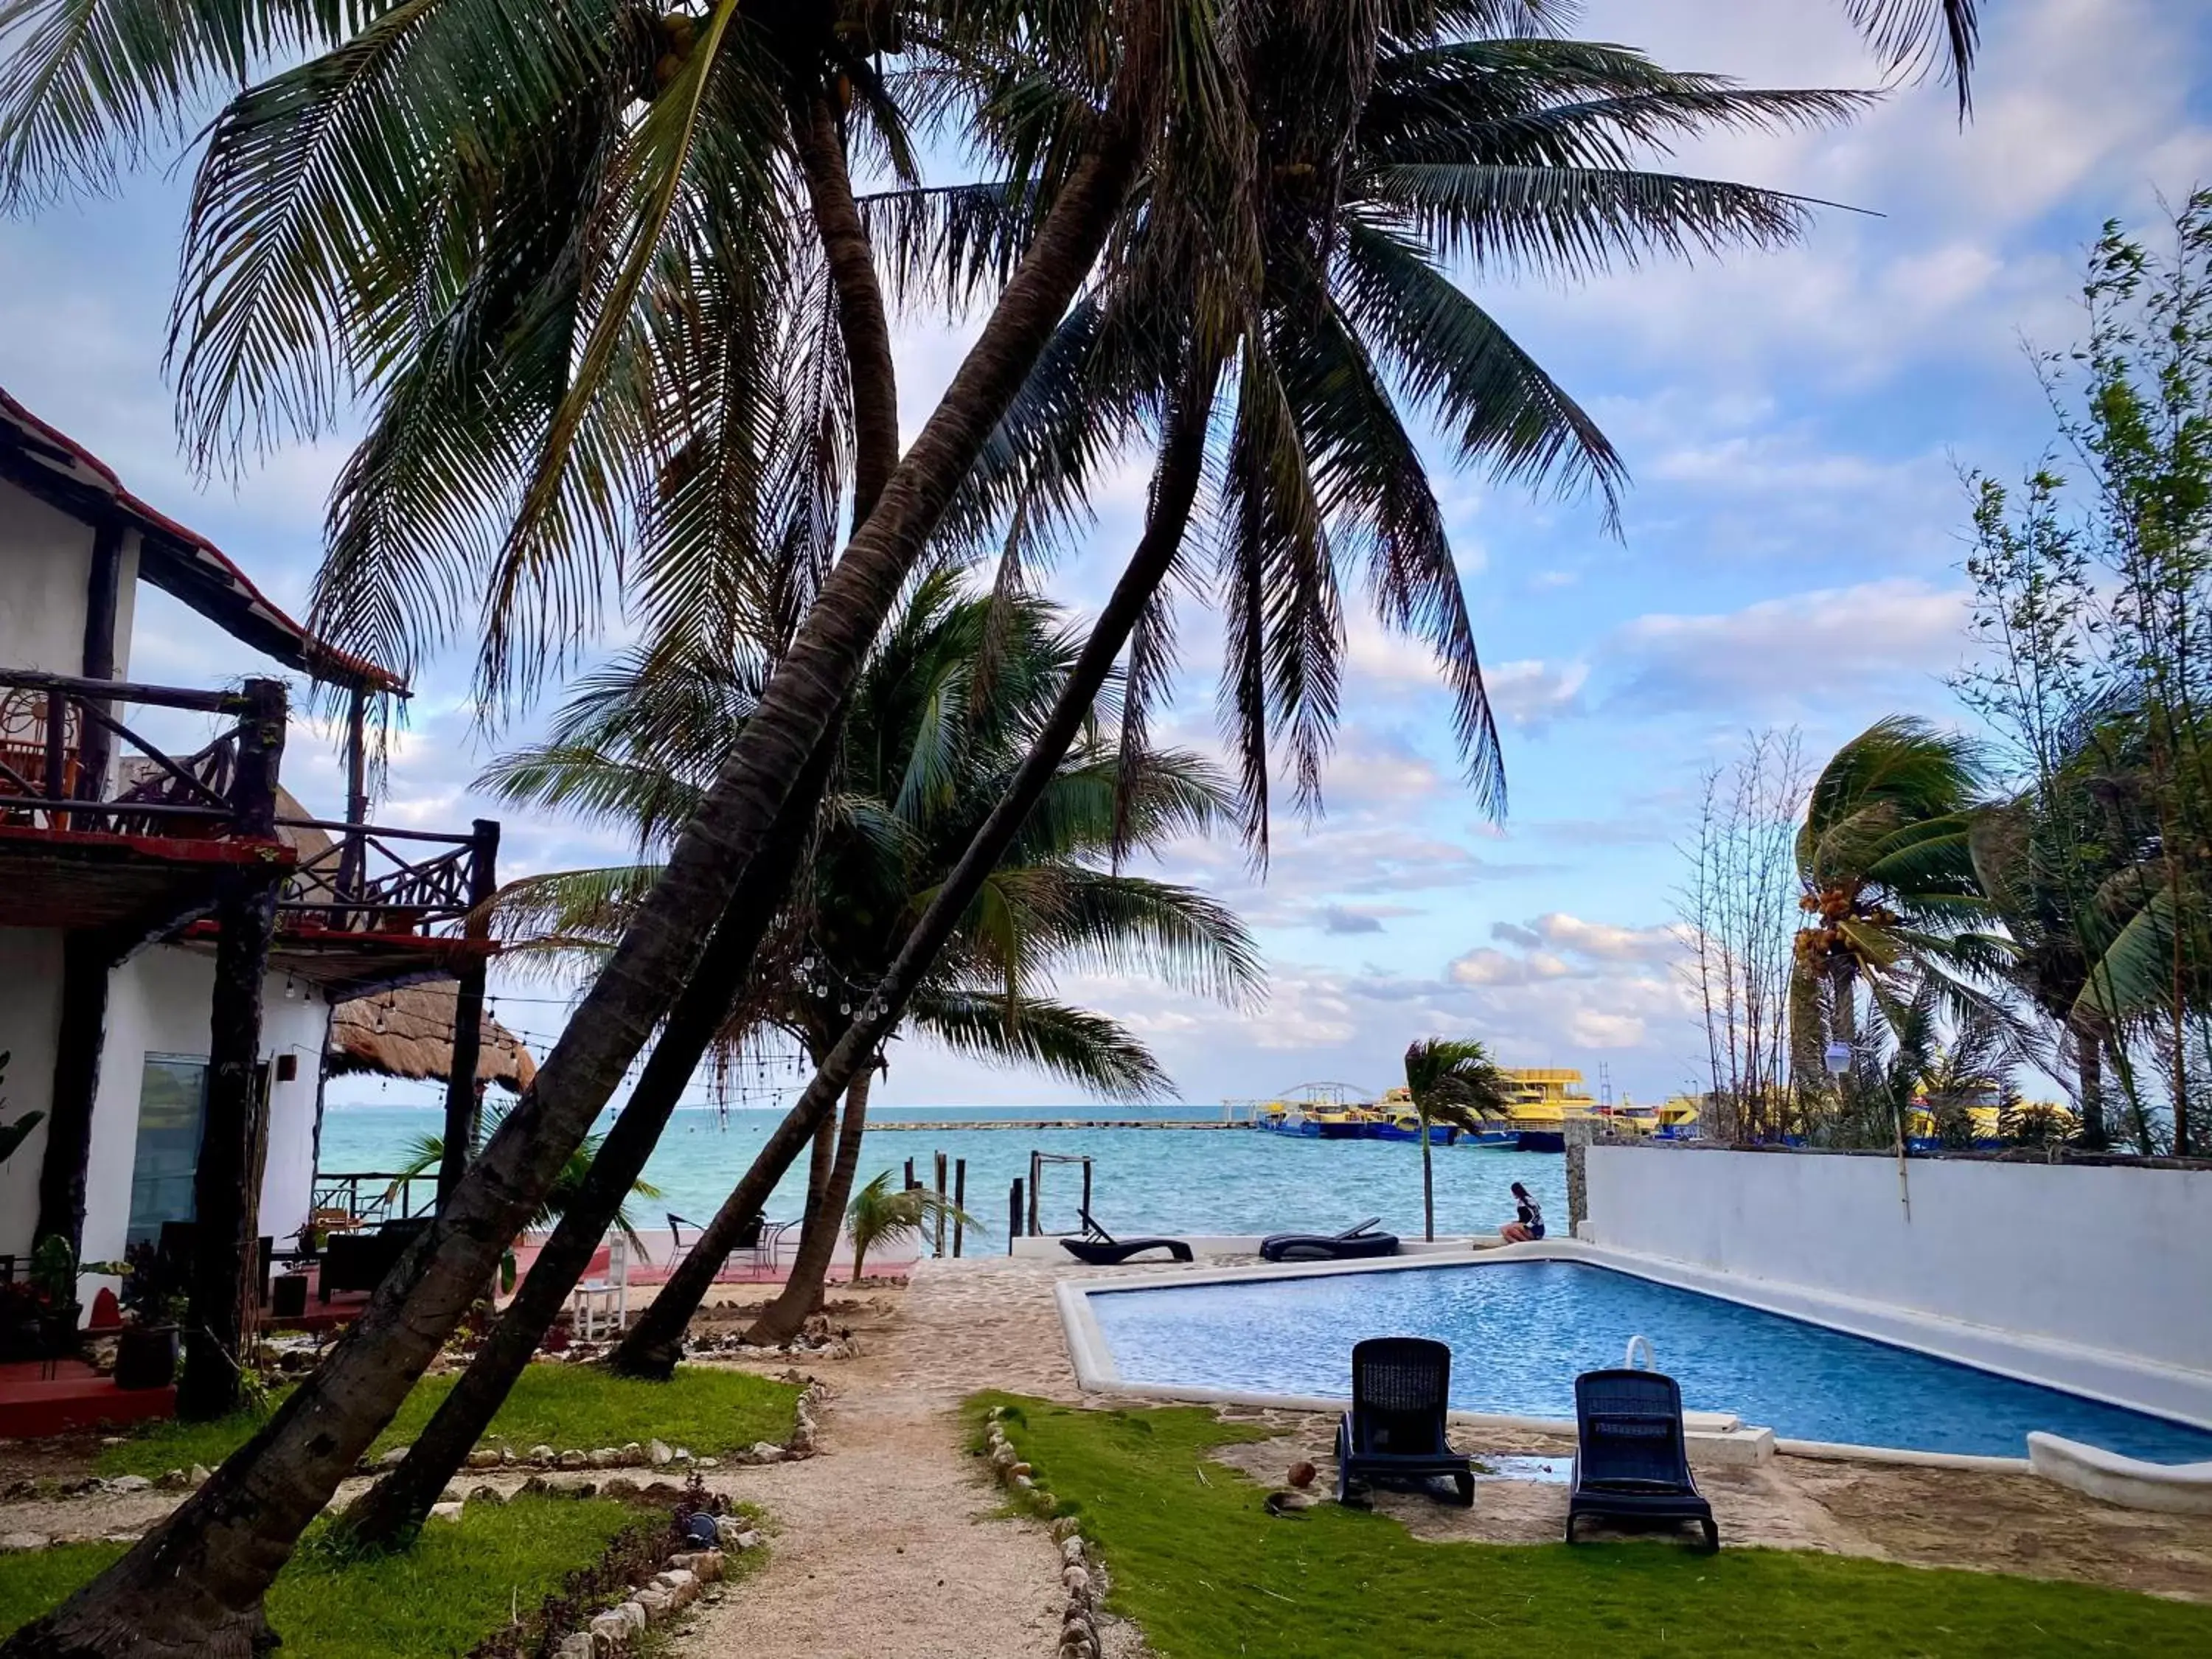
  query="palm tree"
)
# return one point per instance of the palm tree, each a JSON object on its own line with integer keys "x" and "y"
{"x": 879, "y": 1216}
{"x": 1885, "y": 874}
{"x": 948, "y": 711}
{"x": 1334, "y": 460}
{"x": 541, "y": 113}
{"x": 429, "y": 1151}
{"x": 1452, "y": 1081}
{"x": 943, "y": 712}
{"x": 1134, "y": 53}
{"x": 943, "y": 709}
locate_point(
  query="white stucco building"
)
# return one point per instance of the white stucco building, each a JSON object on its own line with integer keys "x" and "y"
{"x": 135, "y": 876}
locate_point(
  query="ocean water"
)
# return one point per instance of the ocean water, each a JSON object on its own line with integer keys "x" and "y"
{"x": 1198, "y": 1181}
{"x": 1520, "y": 1331}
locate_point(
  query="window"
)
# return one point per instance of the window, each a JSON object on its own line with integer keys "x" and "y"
{"x": 172, "y": 1111}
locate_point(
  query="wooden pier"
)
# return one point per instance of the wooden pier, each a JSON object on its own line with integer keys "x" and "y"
{"x": 943, "y": 1125}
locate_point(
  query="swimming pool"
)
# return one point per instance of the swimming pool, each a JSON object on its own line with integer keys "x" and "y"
{"x": 1521, "y": 1330}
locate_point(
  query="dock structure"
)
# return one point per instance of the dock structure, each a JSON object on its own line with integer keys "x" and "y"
{"x": 938, "y": 1126}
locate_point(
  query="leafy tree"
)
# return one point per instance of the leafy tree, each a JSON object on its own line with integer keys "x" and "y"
{"x": 1452, "y": 1081}
{"x": 2093, "y": 588}
{"x": 1330, "y": 468}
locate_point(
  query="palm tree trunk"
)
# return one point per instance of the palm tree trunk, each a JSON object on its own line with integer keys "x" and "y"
{"x": 194, "y": 1584}
{"x": 1428, "y": 1187}
{"x": 391, "y": 1511}
{"x": 818, "y": 1179}
{"x": 655, "y": 1340}
{"x": 861, "y": 319}
{"x": 2089, "y": 1064}
{"x": 802, "y": 1291}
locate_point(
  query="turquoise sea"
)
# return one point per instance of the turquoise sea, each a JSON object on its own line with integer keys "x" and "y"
{"x": 1199, "y": 1180}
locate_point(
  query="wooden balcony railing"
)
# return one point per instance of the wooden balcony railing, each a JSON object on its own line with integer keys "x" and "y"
{"x": 364, "y": 882}
{"x": 68, "y": 761}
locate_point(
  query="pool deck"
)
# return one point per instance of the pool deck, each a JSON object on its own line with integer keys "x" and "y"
{"x": 995, "y": 1323}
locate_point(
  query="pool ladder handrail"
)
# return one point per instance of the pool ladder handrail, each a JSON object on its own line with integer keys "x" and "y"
{"x": 1651, "y": 1357}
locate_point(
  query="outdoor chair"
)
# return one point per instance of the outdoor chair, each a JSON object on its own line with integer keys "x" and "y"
{"x": 1102, "y": 1249}
{"x": 768, "y": 1243}
{"x": 1631, "y": 1462}
{"x": 606, "y": 1297}
{"x": 1393, "y": 1435}
{"x": 359, "y": 1261}
{"x": 1352, "y": 1244}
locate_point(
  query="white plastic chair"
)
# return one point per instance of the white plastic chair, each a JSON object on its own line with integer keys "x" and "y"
{"x": 609, "y": 1297}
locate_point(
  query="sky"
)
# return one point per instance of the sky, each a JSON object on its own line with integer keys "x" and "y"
{"x": 1795, "y": 426}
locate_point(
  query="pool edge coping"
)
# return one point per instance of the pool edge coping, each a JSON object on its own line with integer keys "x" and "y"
{"x": 1983, "y": 1348}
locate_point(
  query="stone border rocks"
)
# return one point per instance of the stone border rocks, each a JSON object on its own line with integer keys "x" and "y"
{"x": 653, "y": 1453}
{"x": 1082, "y": 1575}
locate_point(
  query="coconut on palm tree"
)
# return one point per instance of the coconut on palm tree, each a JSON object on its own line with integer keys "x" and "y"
{"x": 1451, "y": 1080}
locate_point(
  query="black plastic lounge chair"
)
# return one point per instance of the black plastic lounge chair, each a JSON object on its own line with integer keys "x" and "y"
{"x": 1393, "y": 1435}
{"x": 1102, "y": 1249}
{"x": 1630, "y": 1461}
{"x": 1348, "y": 1245}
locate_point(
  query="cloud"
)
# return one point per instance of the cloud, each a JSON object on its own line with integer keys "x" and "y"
{"x": 1603, "y": 940}
{"x": 1530, "y": 694}
{"x": 1342, "y": 918}
{"x": 1779, "y": 656}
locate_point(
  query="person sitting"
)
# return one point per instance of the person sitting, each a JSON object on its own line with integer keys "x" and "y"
{"x": 1528, "y": 1218}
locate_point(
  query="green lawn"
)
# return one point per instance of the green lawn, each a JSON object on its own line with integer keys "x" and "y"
{"x": 580, "y": 1407}
{"x": 453, "y": 1589}
{"x": 1209, "y": 1575}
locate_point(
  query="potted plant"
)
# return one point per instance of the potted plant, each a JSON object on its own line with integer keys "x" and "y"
{"x": 20, "y": 1334}
{"x": 52, "y": 1275}
{"x": 146, "y": 1350}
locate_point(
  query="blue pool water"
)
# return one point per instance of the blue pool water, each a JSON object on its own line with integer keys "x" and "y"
{"x": 1520, "y": 1332}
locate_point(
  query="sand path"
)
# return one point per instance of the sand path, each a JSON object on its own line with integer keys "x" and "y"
{"x": 889, "y": 1541}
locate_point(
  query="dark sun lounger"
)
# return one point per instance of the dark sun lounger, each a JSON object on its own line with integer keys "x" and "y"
{"x": 1630, "y": 1461}
{"x": 1102, "y": 1249}
{"x": 1346, "y": 1246}
{"x": 1393, "y": 1435}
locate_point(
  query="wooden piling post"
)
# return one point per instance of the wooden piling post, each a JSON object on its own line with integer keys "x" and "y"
{"x": 939, "y": 1173}
{"x": 1013, "y": 1214}
{"x": 959, "y": 1199}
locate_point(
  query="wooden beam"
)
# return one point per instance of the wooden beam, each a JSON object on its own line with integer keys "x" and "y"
{"x": 87, "y": 957}
{"x": 102, "y": 595}
{"x": 463, "y": 1100}
{"x": 164, "y": 696}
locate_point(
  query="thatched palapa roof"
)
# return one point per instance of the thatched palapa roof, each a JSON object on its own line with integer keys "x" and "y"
{"x": 409, "y": 1033}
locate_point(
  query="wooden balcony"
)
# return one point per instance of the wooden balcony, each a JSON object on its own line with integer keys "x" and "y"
{"x": 100, "y": 829}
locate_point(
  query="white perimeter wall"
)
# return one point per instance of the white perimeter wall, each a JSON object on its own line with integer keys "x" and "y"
{"x": 158, "y": 1004}
{"x": 2113, "y": 1259}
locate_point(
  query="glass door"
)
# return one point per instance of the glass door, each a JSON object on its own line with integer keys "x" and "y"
{"x": 172, "y": 1111}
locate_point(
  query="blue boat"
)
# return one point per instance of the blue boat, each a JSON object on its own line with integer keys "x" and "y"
{"x": 1493, "y": 1140}
{"x": 1406, "y": 1126}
